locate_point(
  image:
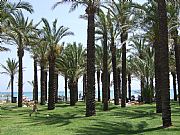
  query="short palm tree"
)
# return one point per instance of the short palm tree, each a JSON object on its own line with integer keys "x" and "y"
{"x": 52, "y": 37}
{"x": 11, "y": 69}
{"x": 137, "y": 48}
{"x": 72, "y": 65}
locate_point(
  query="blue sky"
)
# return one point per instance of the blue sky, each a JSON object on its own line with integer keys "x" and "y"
{"x": 42, "y": 8}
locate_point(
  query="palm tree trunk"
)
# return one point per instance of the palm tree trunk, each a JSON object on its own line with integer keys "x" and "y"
{"x": 90, "y": 96}
{"x": 129, "y": 86}
{"x": 35, "y": 80}
{"x": 124, "y": 79}
{"x": 56, "y": 89}
{"x": 84, "y": 86}
{"x": 177, "y": 58}
{"x": 163, "y": 44}
{"x": 152, "y": 90}
{"x": 157, "y": 76}
{"x": 174, "y": 85}
{"x": 66, "y": 87}
{"x": 142, "y": 88}
{"x": 12, "y": 88}
{"x": 20, "y": 77}
{"x": 109, "y": 91}
{"x": 73, "y": 88}
{"x": 98, "y": 82}
{"x": 119, "y": 82}
{"x": 43, "y": 96}
{"x": 76, "y": 91}
{"x": 102, "y": 87}
{"x": 105, "y": 82}
{"x": 51, "y": 94}
{"x": 46, "y": 83}
{"x": 116, "y": 91}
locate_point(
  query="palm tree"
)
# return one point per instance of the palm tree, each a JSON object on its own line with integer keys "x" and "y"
{"x": 103, "y": 31}
{"x": 20, "y": 28}
{"x": 163, "y": 44}
{"x": 173, "y": 23}
{"x": 11, "y": 69}
{"x": 150, "y": 24}
{"x": 42, "y": 49}
{"x": 33, "y": 48}
{"x": 53, "y": 36}
{"x": 121, "y": 11}
{"x": 71, "y": 64}
{"x": 41, "y": 52}
{"x": 177, "y": 57}
{"x": 7, "y": 11}
{"x": 113, "y": 32}
{"x": 91, "y": 9}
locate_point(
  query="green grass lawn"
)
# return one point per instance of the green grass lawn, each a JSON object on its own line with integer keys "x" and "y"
{"x": 67, "y": 120}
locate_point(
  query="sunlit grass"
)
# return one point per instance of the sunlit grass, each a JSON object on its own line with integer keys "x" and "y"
{"x": 67, "y": 120}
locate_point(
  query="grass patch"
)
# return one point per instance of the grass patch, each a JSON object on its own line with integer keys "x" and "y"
{"x": 67, "y": 120}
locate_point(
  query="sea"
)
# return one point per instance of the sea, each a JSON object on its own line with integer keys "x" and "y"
{"x": 29, "y": 95}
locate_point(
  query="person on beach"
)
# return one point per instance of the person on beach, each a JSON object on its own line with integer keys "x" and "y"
{"x": 34, "y": 108}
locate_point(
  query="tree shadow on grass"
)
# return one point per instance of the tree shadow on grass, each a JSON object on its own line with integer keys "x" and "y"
{"x": 106, "y": 128}
{"x": 52, "y": 119}
{"x": 135, "y": 114}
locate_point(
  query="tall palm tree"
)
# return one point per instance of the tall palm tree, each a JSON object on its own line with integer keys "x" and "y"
{"x": 10, "y": 12}
{"x": 71, "y": 64}
{"x": 11, "y": 69}
{"x": 102, "y": 30}
{"x": 173, "y": 8}
{"x": 20, "y": 28}
{"x": 33, "y": 49}
{"x": 91, "y": 9}
{"x": 40, "y": 50}
{"x": 163, "y": 44}
{"x": 150, "y": 24}
{"x": 113, "y": 32}
{"x": 122, "y": 12}
{"x": 53, "y": 36}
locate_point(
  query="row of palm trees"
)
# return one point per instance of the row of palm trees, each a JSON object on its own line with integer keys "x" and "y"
{"x": 112, "y": 25}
